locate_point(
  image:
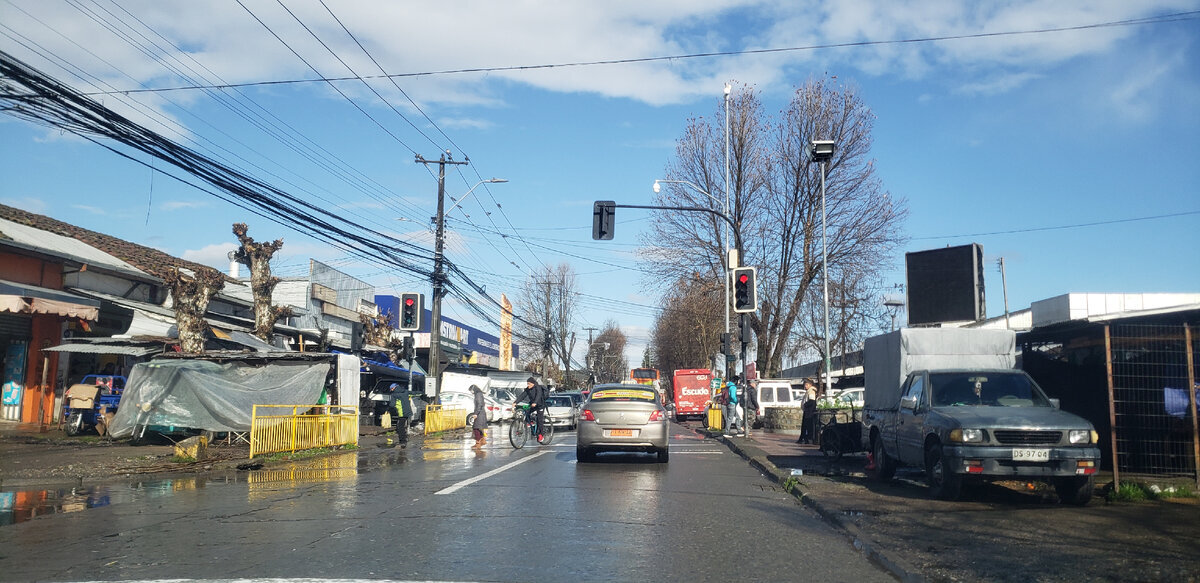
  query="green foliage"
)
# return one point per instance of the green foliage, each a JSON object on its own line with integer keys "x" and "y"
{"x": 1137, "y": 491}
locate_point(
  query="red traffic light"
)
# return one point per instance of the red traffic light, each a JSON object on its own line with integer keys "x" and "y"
{"x": 409, "y": 301}
{"x": 743, "y": 278}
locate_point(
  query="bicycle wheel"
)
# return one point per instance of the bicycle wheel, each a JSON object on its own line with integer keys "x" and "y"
{"x": 547, "y": 432}
{"x": 831, "y": 444}
{"x": 518, "y": 433}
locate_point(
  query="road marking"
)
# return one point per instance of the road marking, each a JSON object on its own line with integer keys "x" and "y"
{"x": 465, "y": 483}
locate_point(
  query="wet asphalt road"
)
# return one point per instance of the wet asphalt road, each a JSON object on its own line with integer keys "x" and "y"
{"x": 448, "y": 512}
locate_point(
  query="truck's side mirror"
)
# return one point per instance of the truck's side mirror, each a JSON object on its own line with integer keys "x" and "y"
{"x": 908, "y": 402}
{"x": 1055, "y": 403}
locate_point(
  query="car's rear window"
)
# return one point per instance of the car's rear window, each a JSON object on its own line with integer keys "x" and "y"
{"x": 623, "y": 395}
{"x": 559, "y": 401}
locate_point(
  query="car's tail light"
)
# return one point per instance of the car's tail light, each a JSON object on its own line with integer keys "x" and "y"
{"x": 657, "y": 415}
{"x": 586, "y": 415}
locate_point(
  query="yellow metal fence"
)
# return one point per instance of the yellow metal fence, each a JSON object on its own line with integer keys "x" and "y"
{"x": 276, "y": 428}
{"x": 440, "y": 418}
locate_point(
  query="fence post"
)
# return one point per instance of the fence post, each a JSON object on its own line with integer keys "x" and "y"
{"x": 1191, "y": 371}
{"x": 1112, "y": 405}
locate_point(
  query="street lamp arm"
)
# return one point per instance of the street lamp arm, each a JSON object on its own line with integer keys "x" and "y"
{"x": 468, "y": 193}
{"x": 689, "y": 183}
{"x": 736, "y": 236}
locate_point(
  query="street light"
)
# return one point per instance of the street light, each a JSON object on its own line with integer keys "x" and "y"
{"x": 822, "y": 151}
{"x": 477, "y": 184}
{"x": 893, "y": 305}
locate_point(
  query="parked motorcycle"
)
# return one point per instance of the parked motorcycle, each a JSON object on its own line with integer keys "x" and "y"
{"x": 87, "y": 402}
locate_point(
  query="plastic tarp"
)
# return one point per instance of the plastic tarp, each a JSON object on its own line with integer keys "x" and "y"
{"x": 200, "y": 394}
{"x": 889, "y": 358}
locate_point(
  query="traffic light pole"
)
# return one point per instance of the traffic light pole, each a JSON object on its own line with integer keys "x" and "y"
{"x": 737, "y": 237}
{"x": 439, "y": 279}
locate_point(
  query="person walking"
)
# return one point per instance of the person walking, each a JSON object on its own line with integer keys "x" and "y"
{"x": 479, "y": 425}
{"x": 731, "y": 405}
{"x": 750, "y": 408}
{"x": 403, "y": 407}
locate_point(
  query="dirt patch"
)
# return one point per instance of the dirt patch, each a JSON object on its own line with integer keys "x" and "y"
{"x": 54, "y": 458}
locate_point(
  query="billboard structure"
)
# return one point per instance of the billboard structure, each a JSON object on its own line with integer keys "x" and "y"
{"x": 945, "y": 285}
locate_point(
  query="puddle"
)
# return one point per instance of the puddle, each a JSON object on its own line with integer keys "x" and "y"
{"x": 23, "y": 505}
{"x": 857, "y": 513}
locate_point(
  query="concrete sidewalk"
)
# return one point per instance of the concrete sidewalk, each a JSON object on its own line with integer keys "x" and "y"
{"x": 805, "y": 472}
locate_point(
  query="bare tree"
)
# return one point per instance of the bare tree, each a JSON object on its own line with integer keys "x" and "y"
{"x": 608, "y": 354}
{"x": 686, "y": 332}
{"x": 190, "y": 294}
{"x": 548, "y": 305}
{"x": 262, "y": 283}
{"x": 775, "y": 201}
{"x": 378, "y": 330}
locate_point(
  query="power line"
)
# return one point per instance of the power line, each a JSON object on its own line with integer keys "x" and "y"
{"x": 1060, "y": 227}
{"x": 1176, "y": 17}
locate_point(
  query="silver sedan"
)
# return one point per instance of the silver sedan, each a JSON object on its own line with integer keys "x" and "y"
{"x": 622, "y": 418}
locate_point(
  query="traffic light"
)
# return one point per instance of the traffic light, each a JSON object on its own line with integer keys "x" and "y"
{"x": 604, "y": 215}
{"x": 408, "y": 348}
{"x": 745, "y": 290}
{"x": 725, "y": 344}
{"x": 411, "y": 309}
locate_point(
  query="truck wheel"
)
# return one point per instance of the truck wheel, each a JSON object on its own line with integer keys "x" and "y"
{"x": 1075, "y": 490}
{"x": 885, "y": 468}
{"x": 943, "y": 483}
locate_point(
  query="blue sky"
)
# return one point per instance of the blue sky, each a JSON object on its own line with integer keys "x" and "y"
{"x": 1053, "y": 150}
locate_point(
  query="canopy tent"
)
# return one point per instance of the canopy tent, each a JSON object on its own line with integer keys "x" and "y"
{"x": 220, "y": 397}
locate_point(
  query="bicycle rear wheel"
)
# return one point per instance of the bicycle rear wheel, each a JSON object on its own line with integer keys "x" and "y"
{"x": 547, "y": 432}
{"x": 518, "y": 433}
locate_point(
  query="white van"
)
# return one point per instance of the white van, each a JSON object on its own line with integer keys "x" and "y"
{"x": 776, "y": 393}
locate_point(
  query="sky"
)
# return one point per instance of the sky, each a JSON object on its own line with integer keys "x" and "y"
{"x": 1061, "y": 136}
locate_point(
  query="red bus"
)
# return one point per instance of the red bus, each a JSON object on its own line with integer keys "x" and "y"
{"x": 693, "y": 391}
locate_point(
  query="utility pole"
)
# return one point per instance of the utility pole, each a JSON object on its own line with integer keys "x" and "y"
{"x": 439, "y": 276}
{"x": 1004, "y": 284}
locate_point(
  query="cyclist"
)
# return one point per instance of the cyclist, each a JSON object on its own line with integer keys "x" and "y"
{"x": 535, "y": 395}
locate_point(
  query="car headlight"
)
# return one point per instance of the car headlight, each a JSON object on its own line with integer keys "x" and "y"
{"x": 966, "y": 435}
{"x": 1082, "y": 436}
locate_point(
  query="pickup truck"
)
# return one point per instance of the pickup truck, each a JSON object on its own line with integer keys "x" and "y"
{"x": 981, "y": 420}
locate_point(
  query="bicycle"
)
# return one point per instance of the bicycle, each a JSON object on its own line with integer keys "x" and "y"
{"x": 525, "y": 423}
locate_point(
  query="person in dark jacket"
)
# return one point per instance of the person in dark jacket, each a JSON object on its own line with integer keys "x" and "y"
{"x": 479, "y": 425}
{"x": 750, "y": 407}
{"x": 403, "y": 407}
{"x": 535, "y": 395}
{"x": 808, "y": 424}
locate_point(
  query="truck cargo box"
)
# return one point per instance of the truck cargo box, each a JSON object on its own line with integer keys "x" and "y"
{"x": 889, "y": 358}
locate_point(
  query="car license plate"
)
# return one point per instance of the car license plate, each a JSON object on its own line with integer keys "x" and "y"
{"x": 620, "y": 433}
{"x": 1031, "y": 455}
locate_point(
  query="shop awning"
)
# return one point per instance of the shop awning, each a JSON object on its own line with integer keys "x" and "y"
{"x": 108, "y": 346}
{"x": 21, "y": 298}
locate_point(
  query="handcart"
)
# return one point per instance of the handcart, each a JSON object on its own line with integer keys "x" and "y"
{"x": 840, "y": 431}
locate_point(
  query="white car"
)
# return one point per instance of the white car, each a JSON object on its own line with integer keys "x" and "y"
{"x": 466, "y": 402}
{"x": 562, "y": 409}
{"x": 847, "y": 398}
{"x": 505, "y": 398}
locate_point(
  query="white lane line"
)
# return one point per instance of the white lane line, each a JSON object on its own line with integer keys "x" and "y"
{"x": 465, "y": 483}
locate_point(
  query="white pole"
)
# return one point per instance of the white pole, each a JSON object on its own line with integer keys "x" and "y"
{"x": 725, "y": 259}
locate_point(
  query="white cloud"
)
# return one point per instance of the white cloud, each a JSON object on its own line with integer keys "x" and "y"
{"x": 175, "y": 205}
{"x": 215, "y": 255}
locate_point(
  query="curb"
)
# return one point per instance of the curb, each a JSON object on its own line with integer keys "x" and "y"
{"x": 758, "y": 459}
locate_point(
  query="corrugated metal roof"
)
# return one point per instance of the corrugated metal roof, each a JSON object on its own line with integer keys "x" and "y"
{"x": 83, "y": 346}
{"x": 64, "y": 247}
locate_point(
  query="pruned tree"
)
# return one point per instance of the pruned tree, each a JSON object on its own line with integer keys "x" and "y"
{"x": 548, "y": 306}
{"x": 190, "y": 295}
{"x": 262, "y": 283}
{"x": 607, "y": 354}
{"x": 687, "y": 332}
{"x": 378, "y": 331}
{"x": 776, "y": 203}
